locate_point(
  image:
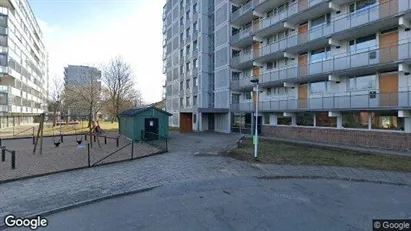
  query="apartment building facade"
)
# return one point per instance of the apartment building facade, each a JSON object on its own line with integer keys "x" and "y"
{"x": 332, "y": 71}
{"x": 23, "y": 64}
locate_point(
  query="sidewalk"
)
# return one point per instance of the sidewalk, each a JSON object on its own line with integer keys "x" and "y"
{"x": 43, "y": 195}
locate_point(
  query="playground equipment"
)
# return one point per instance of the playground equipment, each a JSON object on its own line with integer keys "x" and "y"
{"x": 79, "y": 141}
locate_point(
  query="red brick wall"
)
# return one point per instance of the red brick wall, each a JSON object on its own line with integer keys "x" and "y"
{"x": 377, "y": 139}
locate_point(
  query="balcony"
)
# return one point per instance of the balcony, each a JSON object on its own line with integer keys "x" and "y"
{"x": 333, "y": 102}
{"x": 242, "y": 38}
{"x": 349, "y": 64}
{"x": 242, "y": 83}
{"x": 244, "y": 60}
{"x": 243, "y": 14}
{"x": 295, "y": 13}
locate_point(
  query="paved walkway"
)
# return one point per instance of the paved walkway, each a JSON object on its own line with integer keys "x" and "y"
{"x": 192, "y": 157}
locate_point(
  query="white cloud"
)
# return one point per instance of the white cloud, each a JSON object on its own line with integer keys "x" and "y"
{"x": 136, "y": 37}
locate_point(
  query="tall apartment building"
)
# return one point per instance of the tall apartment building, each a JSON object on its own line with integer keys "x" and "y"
{"x": 328, "y": 70}
{"x": 23, "y": 64}
{"x": 78, "y": 77}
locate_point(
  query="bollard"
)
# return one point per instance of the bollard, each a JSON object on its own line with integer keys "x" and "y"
{"x": 34, "y": 140}
{"x": 132, "y": 149}
{"x": 61, "y": 138}
{"x": 88, "y": 154}
{"x": 117, "y": 142}
{"x": 105, "y": 139}
{"x": 13, "y": 159}
{"x": 3, "y": 154}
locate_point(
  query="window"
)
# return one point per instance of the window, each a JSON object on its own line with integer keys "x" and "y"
{"x": 271, "y": 65}
{"x": 195, "y": 8}
{"x": 320, "y": 55}
{"x": 181, "y": 53}
{"x": 181, "y": 4}
{"x": 188, "y": 33}
{"x": 319, "y": 87}
{"x": 194, "y": 100}
{"x": 187, "y": 101}
{"x": 266, "y": 118}
{"x": 181, "y": 38}
{"x": 195, "y": 45}
{"x": 286, "y": 61}
{"x": 355, "y": 119}
{"x": 362, "y": 82}
{"x": 387, "y": 120}
{"x": 194, "y": 63}
{"x": 188, "y": 50}
{"x": 235, "y": 98}
{"x": 3, "y": 60}
{"x": 284, "y": 120}
{"x": 363, "y": 44}
{"x": 320, "y": 21}
{"x": 362, "y": 5}
{"x": 195, "y": 82}
{"x": 181, "y": 69}
{"x": 181, "y": 102}
{"x": 195, "y": 27}
{"x": 247, "y": 95}
{"x": 268, "y": 91}
{"x": 187, "y": 67}
{"x": 181, "y": 85}
{"x": 187, "y": 84}
{"x": 280, "y": 91}
{"x": 323, "y": 120}
{"x": 3, "y": 99}
{"x": 188, "y": 15}
{"x": 182, "y": 21}
{"x": 305, "y": 119}
{"x": 272, "y": 39}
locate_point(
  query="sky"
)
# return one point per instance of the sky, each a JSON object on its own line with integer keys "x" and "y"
{"x": 91, "y": 32}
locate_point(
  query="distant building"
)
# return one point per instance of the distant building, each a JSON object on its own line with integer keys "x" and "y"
{"x": 80, "y": 76}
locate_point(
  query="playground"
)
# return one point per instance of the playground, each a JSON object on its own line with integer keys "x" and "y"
{"x": 56, "y": 151}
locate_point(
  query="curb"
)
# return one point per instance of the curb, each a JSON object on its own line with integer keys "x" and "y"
{"x": 82, "y": 203}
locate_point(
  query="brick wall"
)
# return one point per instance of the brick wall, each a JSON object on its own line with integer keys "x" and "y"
{"x": 377, "y": 139}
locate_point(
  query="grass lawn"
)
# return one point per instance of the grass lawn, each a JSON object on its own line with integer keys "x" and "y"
{"x": 274, "y": 152}
{"x": 80, "y": 128}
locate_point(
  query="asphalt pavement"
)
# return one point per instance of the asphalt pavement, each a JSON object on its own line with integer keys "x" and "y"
{"x": 243, "y": 203}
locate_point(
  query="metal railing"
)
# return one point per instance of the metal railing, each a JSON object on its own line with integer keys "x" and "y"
{"x": 242, "y": 83}
{"x": 332, "y": 101}
{"x": 340, "y": 63}
{"x": 154, "y": 139}
{"x": 242, "y": 10}
{"x": 243, "y": 33}
{"x": 242, "y": 58}
{"x": 288, "y": 12}
{"x": 350, "y": 21}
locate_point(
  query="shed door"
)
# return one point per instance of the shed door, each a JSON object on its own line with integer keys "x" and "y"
{"x": 151, "y": 129}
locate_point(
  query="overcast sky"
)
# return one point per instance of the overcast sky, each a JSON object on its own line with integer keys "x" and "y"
{"x": 90, "y": 32}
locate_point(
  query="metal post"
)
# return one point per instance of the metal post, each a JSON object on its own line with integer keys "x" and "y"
{"x": 117, "y": 142}
{"x": 88, "y": 154}
{"x": 13, "y": 159}
{"x": 0, "y": 141}
{"x": 105, "y": 139}
{"x": 61, "y": 138}
{"x": 132, "y": 149}
{"x": 85, "y": 137}
{"x": 34, "y": 138}
{"x": 95, "y": 138}
{"x": 3, "y": 154}
{"x": 256, "y": 125}
{"x": 166, "y": 145}
{"x": 13, "y": 125}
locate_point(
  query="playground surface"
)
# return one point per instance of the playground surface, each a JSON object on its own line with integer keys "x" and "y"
{"x": 68, "y": 155}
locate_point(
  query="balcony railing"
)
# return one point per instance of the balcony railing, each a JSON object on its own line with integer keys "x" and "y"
{"x": 366, "y": 58}
{"x": 242, "y": 10}
{"x": 350, "y": 21}
{"x": 243, "y": 33}
{"x": 288, "y": 12}
{"x": 242, "y": 82}
{"x": 332, "y": 101}
{"x": 242, "y": 58}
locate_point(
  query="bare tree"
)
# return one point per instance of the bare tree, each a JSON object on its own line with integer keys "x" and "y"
{"x": 118, "y": 79}
{"x": 55, "y": 97}
{"x": 83, "y": 94}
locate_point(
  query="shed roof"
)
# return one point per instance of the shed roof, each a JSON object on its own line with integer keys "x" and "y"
{"x": 135, "y": 111}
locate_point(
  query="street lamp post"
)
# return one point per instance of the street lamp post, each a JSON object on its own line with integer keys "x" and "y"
{"x": 255, "y": 138}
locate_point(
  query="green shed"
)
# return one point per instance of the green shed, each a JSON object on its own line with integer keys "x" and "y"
{"x": 148, "y": 123}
